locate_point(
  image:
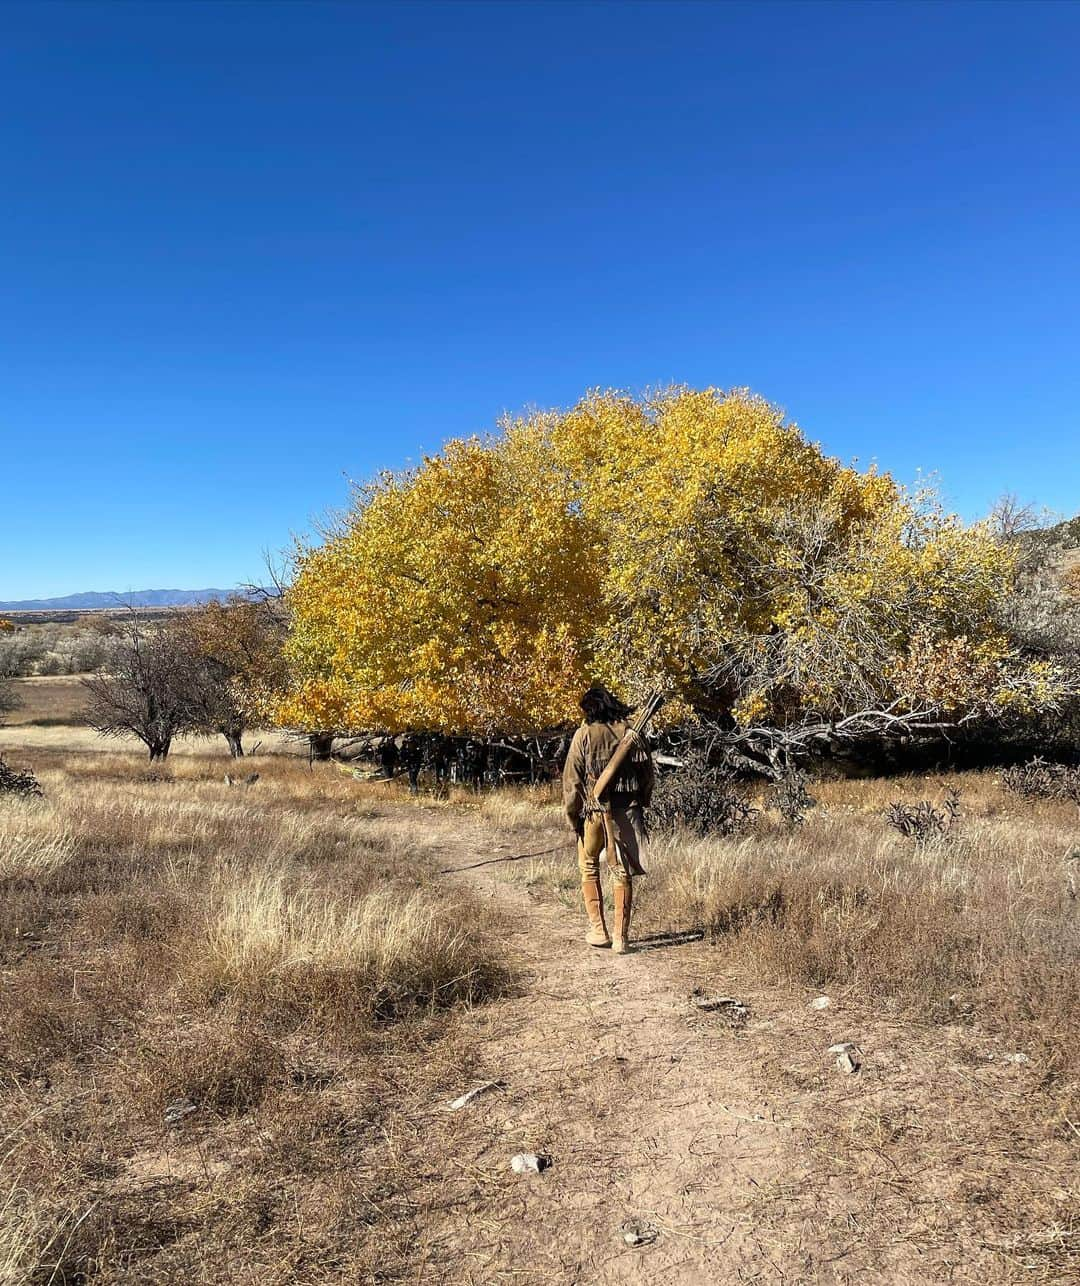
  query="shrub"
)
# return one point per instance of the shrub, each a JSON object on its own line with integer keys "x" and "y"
{"x": 1039, "y": 779}
{"x": 790, "y": 797}
{"x": 702, "y": 797}
{"x": 924, "y": 823}
{"x": 20, "y": 784}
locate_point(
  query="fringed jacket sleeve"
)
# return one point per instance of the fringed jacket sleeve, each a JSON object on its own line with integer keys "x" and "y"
{"x": 574, "y": 787}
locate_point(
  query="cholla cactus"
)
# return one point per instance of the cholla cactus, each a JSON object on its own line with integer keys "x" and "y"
{"x": 1039, "y": 779}
{"x": 22, "y": 784}
{"x": 924, "y": 823}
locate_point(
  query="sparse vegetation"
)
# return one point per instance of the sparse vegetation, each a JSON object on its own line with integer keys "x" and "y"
{"x": 267, "y": 967}
{"x": 981, "y": 928}
{"x": 701, "y": 798}
{"x": 923, "y": 822}
{"x": 229, "y": 1016}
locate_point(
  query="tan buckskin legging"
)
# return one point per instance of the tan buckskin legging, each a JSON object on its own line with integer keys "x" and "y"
{"x": 592, "y": 845}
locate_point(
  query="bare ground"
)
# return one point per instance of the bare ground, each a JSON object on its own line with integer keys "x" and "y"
{"x": 741, "y": 1145}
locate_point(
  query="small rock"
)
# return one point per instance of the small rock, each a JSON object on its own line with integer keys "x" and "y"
{"x": 822, "y": 1002}
{"x": 1019, "y": 1059}
{"x": 848, "y": 1056}
{"x": 176, "y": 1111}
{"x": 635, "y": 1232}
{"x": 529, "y": 1163}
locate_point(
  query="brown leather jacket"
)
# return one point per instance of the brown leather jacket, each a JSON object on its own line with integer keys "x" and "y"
{"x": 592, "y": 747}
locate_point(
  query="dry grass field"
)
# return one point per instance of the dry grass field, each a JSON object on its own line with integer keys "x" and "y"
{"x": 53, "y": 701}
{"x": 231, "y": 1018}
{"x": 983, "y": 924}
{"x": 264, "y": 964}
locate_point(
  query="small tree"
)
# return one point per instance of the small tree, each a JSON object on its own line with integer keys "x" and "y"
{"x": 235, "y": 648}
{"x": 145, "y": 688}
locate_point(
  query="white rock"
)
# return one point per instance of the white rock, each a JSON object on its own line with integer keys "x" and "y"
{"x": 529, "y": 1163}
{"x": 822, "y": 1002}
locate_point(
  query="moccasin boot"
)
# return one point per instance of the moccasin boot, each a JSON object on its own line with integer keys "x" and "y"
{"x": 593, "y": 894}
{"x": 624, "y": 905}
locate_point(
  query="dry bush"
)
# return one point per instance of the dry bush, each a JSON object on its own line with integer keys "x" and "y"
{"x": 21, "y": 785}
{"x": 1039, "y": 779}
{"x": 791, "y": 798}
{"x": 924, "y": 823}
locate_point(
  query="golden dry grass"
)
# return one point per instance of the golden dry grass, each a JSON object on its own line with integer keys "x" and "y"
{"x": 270, "y": 958}
{"x": 276, "y": 964}
{"x": 48, "y": 701}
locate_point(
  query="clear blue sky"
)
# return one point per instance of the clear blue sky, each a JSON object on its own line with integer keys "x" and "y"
{"x": 249, "y": 250}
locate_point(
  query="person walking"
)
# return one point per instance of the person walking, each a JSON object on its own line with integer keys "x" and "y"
{"x": 593, "y": 745}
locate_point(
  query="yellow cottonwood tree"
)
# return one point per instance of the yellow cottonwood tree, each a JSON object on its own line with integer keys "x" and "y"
{"x": 693, "y": 540}
{"x": 456, "y": 598}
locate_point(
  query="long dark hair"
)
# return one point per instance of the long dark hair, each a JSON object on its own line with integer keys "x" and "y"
{"x": 602, "y": 706}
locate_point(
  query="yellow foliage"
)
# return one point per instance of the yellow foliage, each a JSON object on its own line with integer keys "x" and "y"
{"x": 692, "y": 540}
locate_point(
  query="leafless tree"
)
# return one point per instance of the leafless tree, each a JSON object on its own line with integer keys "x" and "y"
{"x": 1011, "y": 518}
{"x": 146, "y": 687}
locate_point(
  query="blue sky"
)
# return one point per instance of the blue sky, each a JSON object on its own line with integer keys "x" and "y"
{"x": 251, "y": 250}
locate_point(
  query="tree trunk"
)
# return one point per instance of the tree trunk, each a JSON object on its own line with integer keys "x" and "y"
{"x": 321, "y": 744}
{"x": 159, "y": 750}
{"x": 234, "y": 738}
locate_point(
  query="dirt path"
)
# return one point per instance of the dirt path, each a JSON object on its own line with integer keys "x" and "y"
{"x": 650, "y": 1110}
{"x": 740, "y": 1150}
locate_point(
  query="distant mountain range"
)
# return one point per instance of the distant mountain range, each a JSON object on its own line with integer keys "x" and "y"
{"x": 94, "y": 600}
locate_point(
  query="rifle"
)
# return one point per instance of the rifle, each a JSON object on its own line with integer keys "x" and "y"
{"x": 631, "y": 738}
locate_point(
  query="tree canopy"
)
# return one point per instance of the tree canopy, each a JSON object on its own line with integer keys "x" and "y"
{"x": 691, "y": 540}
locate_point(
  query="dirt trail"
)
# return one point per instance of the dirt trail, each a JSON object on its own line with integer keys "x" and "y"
{"x": 650, "y": 1110}
{"x": 747, "y": 1152}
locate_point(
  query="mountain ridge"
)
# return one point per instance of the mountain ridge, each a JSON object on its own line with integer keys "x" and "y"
{"x": 98, "y": 600}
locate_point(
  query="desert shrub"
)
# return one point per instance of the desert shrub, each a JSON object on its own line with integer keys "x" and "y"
{"x": 21, "y": 784}
{"x": 1039, "y": 779}
{"x": 19, "y": 655}
{"x": 701, "y": 797}
{"x": 924, "y": 823}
